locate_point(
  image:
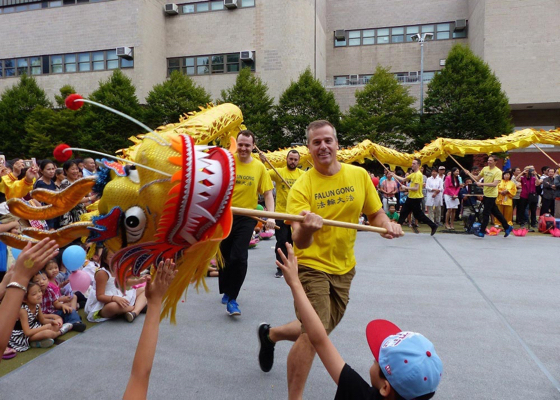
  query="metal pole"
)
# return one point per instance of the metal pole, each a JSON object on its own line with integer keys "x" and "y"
{"x": 422, "y": 75}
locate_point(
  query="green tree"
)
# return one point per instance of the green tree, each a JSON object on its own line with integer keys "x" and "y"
{"x": 383, "y": 112}
{"x": 47, "y": 127}
{"x": 169, "y": 100}
{"x": 250, "y": 94}
{"x": 304, "y": 101}
{"x": 465, "y": 100}
{"x": 104, "y": 130}
{"x": 16, "y": 105}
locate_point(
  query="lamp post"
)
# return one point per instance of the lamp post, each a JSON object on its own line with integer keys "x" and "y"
{"x": 421, "y": 38}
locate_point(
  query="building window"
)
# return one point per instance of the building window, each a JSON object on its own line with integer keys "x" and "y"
{"x": 397, "y": 35}
{"x": 441, "y": 31}
{"x": 64, "y": 63}
{"x": 354, "y": 38}
{"x": 410, "y": 31}
{"x": 38, "y": 5}
{"x": 22, "y": 66}
{"x": 70, "y": 63}
{"x": 210, "y": 64}
{"x": 341, "y": 80}
{"x": 35, "y": 65}
{"x": 368, "y": 37}
{"x": 214, "y": 5}
{"x": 383, "y": 36}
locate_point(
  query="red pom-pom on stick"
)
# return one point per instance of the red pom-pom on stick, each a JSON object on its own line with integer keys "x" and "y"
{"x": 71, "y": 102}
{"x": 60, "y": 155}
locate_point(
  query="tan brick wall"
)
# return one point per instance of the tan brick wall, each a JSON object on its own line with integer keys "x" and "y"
{"x": 521, "y": 44}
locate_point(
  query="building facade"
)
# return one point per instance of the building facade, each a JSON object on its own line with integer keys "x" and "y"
{"x": 80, "y": 42}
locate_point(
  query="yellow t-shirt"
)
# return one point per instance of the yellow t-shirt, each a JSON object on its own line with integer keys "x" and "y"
{"x": 340, "y": 197}
{"x": 491, "y": 175}
{"x": 251, "y": 179}
{"x": 416, "y": 177}
{"x": 281, "y": 188}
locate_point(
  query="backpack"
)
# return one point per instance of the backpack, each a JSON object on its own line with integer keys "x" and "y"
{"x": 546, "y": 223}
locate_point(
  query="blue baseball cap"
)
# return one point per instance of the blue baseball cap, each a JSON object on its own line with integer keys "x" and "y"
{"x": 408, "y": 360}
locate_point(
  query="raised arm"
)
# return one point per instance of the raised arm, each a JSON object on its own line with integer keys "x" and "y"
{"x": 314, "y": 328}
{"x": 137, "y": 387}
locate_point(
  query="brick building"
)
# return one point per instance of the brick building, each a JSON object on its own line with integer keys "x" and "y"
{"x": 74, "y": 42}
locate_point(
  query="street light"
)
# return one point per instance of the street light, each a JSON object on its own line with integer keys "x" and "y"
{"x": 421, "y": 39}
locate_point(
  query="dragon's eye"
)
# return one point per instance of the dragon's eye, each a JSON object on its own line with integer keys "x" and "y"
{"x": 135, "y": 222}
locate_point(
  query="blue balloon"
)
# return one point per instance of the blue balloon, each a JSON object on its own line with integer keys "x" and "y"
{"x": 15, "y": 253}
{"x": 73, "y": 257}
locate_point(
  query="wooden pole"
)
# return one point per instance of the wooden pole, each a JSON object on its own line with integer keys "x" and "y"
{"x": 550, "y": 158}
{"x": 272, "y": 166}
{"x": 460, "y": 166}
{"x": 282, "y": 216}
{"x": 310, "y": 163}
{"x": 383, "y": 165}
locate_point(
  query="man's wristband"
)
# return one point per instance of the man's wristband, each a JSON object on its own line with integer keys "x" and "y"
{"x": 16, "y": 285}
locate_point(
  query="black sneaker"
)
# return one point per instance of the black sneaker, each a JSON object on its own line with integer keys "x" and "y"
{"x": 415, "y": 229}
{"x": 266, "y": 352}
{"x": 78, "y": 326}
{"x": 434, "y": 230}
{"x": 279, "y": 274}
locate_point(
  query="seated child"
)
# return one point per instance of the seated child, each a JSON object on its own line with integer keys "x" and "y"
{"x": 53, "y": 303}
{"x": 406, "y": 365}
{"x": 106, "y": 301}
{"x": 393, "y": 214}
{"x": 33, "y": 329}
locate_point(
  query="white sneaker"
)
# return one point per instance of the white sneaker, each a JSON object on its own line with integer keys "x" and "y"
{"x": 66, "y": 328}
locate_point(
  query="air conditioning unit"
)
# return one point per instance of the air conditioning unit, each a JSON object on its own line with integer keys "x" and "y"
{"x": 340, "y": 34}
{"x": 230, "y": 4}
{"x": 247, "y": 55}
{"x": 442, "y": 62}
{"x": 171, "y": 9}
{"x": 124, "y": 52}
{"x": 354, "y": 79}
{"x": 460, "y": 25}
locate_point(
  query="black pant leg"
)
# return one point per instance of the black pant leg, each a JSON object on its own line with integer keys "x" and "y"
{"x": 489, "y": 203}
{"x": 283, "y": 235}
{"x": 533, "y": 211}
{"x": 419, "y": 213}
{"x": 235, "y": 269}
{"x": 405, "y": 211}
{"x": 521, "y": 211}
{"x": 497, "y": 213}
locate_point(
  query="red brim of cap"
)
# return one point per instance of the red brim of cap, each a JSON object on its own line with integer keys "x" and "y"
{"x": 377, "y": 331}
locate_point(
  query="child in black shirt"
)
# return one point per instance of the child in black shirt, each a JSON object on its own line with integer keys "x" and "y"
{"x": 406, "y": 365}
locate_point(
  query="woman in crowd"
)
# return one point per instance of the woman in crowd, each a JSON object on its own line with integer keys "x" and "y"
{"x": 72, "y": 173}
{"x": 451, "y": 196}
{"x": 47, "y": 170}
{"x": 506, "y": 191}
{"x": 529, "y": 181}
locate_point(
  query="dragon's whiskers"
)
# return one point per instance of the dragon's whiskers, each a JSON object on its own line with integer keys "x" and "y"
{"x": 117, "y": 158}
{"x": 147, "y": 128}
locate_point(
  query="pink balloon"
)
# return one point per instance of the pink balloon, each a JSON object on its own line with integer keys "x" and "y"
{"x": 80, "y": 281}
{"x": 375, "y": 181}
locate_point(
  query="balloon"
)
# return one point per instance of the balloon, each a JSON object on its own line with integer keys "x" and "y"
{"x": 80, "y": 281}
{"x": 259, "y": 207}
{"x": 375, "y": 181}
{"x": 73, "y": 257}
{"x": 15, "y": 253}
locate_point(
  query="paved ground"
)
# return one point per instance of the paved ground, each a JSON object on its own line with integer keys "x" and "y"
{"x": 489, "y": 305}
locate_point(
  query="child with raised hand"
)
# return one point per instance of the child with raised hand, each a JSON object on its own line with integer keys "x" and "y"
{"x": 406, "y": 365}
{"x": 137, "y": 387}
{"x": 33, "y": 329}
{"x": 30, "y": 261}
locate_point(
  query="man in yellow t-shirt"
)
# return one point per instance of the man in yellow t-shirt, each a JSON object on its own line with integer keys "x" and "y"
{"x": 288, "y": 174}
{"x": 251, "y": 179}
{"x": 413, "y": 203}
{"x": 325, "y": 254}
{"x": 492, "y": 177}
